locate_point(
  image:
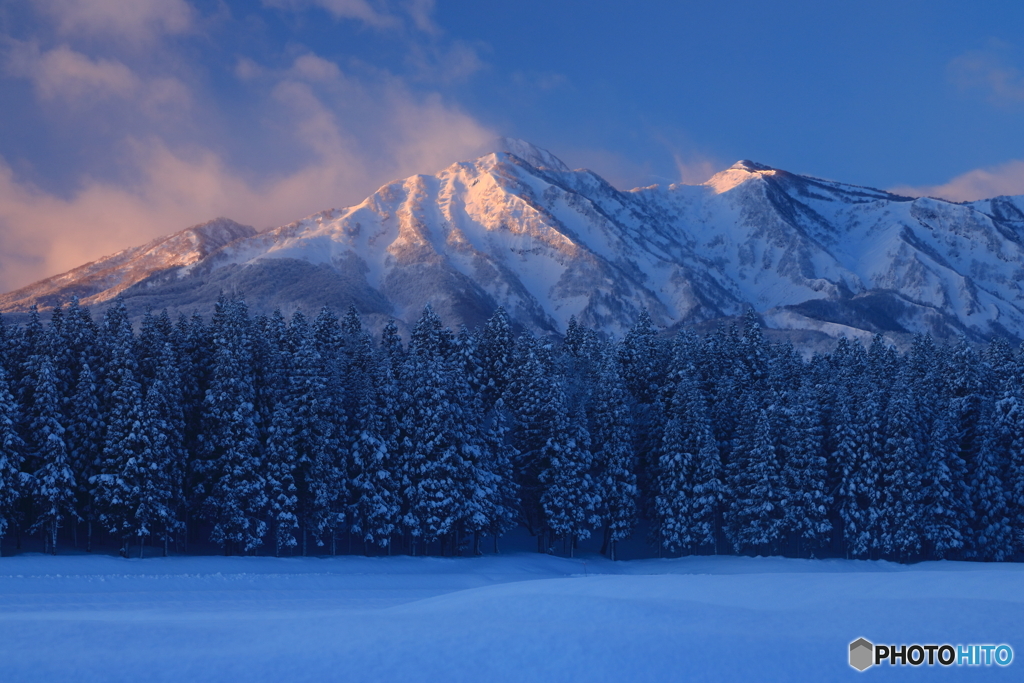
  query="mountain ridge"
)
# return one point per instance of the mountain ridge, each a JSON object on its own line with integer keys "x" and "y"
{"x": 517, "y": 228}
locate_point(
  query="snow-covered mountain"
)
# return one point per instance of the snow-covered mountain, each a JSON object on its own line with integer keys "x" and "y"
{"x": 518, "y": 228}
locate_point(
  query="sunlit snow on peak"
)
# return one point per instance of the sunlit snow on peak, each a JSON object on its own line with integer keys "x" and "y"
{"x": 737, "y": 174}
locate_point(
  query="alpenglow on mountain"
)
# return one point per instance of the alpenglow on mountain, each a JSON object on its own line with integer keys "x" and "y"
{"x": 519, "y": 229}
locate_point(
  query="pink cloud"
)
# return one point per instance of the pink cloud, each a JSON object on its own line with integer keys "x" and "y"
{"x": 134, "y": 21}
{"x": 991, "y": 71}
{"x": 981, "y": 183}
{"x": 359, "y": 10}
{"x": 42, "y": 234}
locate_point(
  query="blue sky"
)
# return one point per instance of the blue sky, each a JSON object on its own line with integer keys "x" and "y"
{"x": 122, "y": 120}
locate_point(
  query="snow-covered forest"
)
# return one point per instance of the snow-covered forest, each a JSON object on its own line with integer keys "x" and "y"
{"x": 274, "y": 436}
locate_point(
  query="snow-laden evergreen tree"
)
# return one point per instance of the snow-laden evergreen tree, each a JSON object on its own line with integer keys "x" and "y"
{"x": 642, "y": 360}
{"x": 993, "y": 532}
{"x": 968, "y": 416}
{"x": 85, "y": 434}
{"x": 280, "y": 454}
{"x": 497, "y": 493}
{"x": 757, "y": 513}
{"x": 26, "y": 347}
{"x": 375, "y": 496}
{"x": 755, "y": 358}
{"x": 858, "y": 489}
{"x": 537, "y": 406}
{"x": 805, "y": 470}
{"x": 639, "y": 360}
{"x": 676, "y": 466}
{"x": 193, "y": 350}
{"x": 900, "y": 501}
{"x": 236, "y": 495}
{"x": 346, "y": 355}
{"x": 12, "y": 455}
{"x": 64, "y": 365}
{"x": 436, "y": 472}
{"x": 569, "y": 500}
{"x": 614, "y": 460}
{"x": 496, "y": 353}
{"x": 721, "y": 378}
{"x": 686, "y": 517}
{"x": 163, "y": 418}
{"x": 53, "y": 482}
{"x": 154, "y": 332}
{"x": 321, "y": 468}
{"x": 945, "y": 495}
{"x": 121, "y": 483}
{"x": 491, "y": 496}
{"x": 1008, "y": 450}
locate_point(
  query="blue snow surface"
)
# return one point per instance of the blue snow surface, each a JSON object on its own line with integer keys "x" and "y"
{"x": 518, "y": 617}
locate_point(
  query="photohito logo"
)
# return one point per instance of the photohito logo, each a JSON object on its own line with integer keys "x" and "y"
{"x": 865, "y": 654}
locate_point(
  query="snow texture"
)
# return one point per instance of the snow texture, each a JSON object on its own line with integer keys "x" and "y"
{"x": 522, "y": 617}
{"x": 516, "y": 228}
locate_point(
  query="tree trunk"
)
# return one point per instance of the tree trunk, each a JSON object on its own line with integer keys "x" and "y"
{"x": 612, "y": 549}
{"x": 606, "y": 540}
{"x": 495, "y": 544}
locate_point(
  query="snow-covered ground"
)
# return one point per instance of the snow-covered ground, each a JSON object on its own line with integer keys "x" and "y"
{"x": 519, "y": 617}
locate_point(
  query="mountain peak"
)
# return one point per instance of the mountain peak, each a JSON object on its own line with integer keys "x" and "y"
{"x": 531, "y": 154}
{"x": 750, "y": 166}
{"x": 737, "y": 174}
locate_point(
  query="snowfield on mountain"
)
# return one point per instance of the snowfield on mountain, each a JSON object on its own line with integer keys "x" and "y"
{"x": 519, "y": 617}
{"x": 517, "y": 228}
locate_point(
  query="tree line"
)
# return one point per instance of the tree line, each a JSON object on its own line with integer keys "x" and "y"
{"x": 261, "y": 434}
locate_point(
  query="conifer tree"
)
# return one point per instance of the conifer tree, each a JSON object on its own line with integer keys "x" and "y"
{"x": 613, "y": 456}
{"x": 163, "y": 418}
{"x": 123, "y": 478}
{"x": 236, "y": 496}
{"x": 12, "y": 455}
{"x": 858, "y": 492}
{"x": 900, "y": 505}
{"x": 437, "y": 472}
{"x": 805, "y": 470}
{"x": 945, "y": 501}
{"x": 53, "y": 482}
{"x": 757, "y": 512}
{"x": 85, "y": 438}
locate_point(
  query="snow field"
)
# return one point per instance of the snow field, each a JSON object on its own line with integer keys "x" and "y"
{"x": 521, "y": 617}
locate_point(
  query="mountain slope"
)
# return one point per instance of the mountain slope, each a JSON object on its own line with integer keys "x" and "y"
{"x": 517, "y": 228}
{"x": 105, "y": 278}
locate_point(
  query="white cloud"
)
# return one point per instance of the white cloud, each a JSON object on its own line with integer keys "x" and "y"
{"x": 293, "y": 139}
{"x": 421, "y": 12}
{"x": 62, "y": 73}
{"x": 990, "y": 70}
{"x": 310, "y": 67}
{"x": 359, "y": 10}
{"x": 396, "y": 134}
{"x": 695, "y": 170}
{"x": 981, "y": 183}
{"x": 65, "y": 77}
{"x": 135, "y": 21}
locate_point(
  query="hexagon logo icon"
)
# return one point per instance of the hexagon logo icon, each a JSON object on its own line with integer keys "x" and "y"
{"x": 862, "y": 654}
